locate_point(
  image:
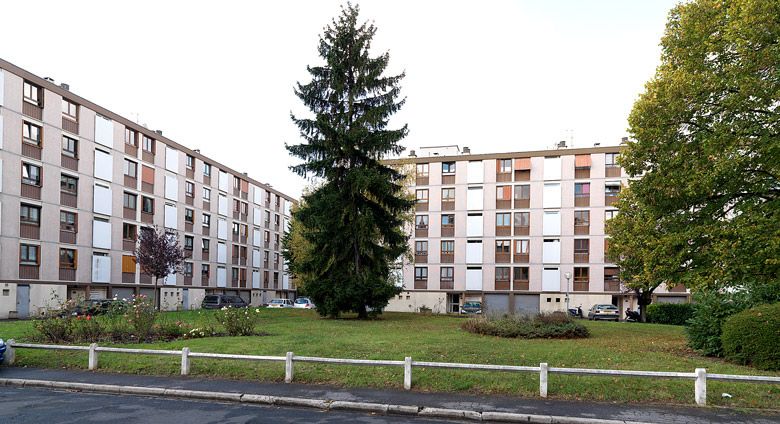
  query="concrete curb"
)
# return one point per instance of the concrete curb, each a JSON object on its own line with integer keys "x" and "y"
{"x": 377, "y": 408}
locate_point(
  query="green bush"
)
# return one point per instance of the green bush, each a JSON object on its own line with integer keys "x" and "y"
{"x": 669, "y": 313}
{"x": 53, "y": 329}
{"x": 752, "y": 337}
{"x": 556, "y": 325}
{"x": 141, "y": 314}
{"x": 710, "y": 311}
{"x": 87, "y": 329}
{"x": 238, "y": 321}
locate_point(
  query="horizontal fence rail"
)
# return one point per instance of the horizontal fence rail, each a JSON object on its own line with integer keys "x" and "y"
{"x": 699, "y": 376}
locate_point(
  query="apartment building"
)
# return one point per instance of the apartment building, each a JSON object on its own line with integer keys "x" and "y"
{"x": 516, "y": 231}
{"x": 78, "y": 184}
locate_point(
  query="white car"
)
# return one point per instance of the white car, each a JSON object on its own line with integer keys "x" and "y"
{"x": 280, "y": 303}
{"x": 304, "y": 302}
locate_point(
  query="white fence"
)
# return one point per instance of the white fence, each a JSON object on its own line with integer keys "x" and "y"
{"x": 700, "y": 375}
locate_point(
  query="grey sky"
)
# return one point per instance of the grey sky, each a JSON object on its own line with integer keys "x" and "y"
{"x": 491, "y": 75}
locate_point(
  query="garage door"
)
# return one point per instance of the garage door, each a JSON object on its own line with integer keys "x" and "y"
{"x": 496, "y": 304}
{"x": 122, "y": 292}
{"x": 527, "y": 304}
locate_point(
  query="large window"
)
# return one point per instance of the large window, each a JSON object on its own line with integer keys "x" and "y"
{"x": 581, "y": 218}
{"x": 30, "y": 214}
{"x": 131, "y": 169}
{"x": 131, "y": 137}
{"x": 502, "y": 246}
{"x": 70, "y": 110}
{"x": 148, "y": 205}
{"x": 32, "y": 94}
{"x": 448, "y": 195}
{"x": 421, "y": 221}
{"x": 447, "y": 247}
{"x": 503, "y": 220}
{"x": 69, "y": 184}
{"x": 129, "y": 231}
{"x": 582, "y": 190}
{"x": 206, "y": 194}
{"x": 189, "y": 216}
{"x": 130, "y": 201}
{"x": 31, "y": 133}
{"x": 504, "y": 166}
{"x": 422, "y": 196}
{"x": 190, "y": 162}
{"x": 67, "y": 259}
{"x": 70, "y": 146}
{"x": 189, "y": 189}
{"x": 422, "y": 170}
{"x": 448, "y": 167}
{"x": 206, "y": 169}
{"x": 206, "y": 220}
{"x": 31, "y": 174}
{"x": 522, "y": 219}
{"x": 609, "y": 214}
{"x": 447, "y": 273}
{"x": 148, "y": 144}
{"x": 420, "y": 273}
{"x": 522, "y": 192}
{"x": 610, "y": 159}
{"x": 420, "y": 247}
{"x": 28, "y": 254}
{"x": 67, "y": 221}
{"x": 521, "y": 247}
{"x": 581, "y": 279}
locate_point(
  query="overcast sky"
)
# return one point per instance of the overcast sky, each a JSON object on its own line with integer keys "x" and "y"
{"x": 218, "y": 76}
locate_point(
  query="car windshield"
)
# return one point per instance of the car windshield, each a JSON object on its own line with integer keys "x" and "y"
{"x": 277, "y": 301}
{"x": 301, "y": 300}
{"x": 472, "y": 305}
{"x": 611, "y": 307}
{"x": 211, "y": 299}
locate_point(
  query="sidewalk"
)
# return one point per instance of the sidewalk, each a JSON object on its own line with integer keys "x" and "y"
{"x": 587, "y": 410}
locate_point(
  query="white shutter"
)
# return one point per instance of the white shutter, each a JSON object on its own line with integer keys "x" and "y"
{"x": 474, "y": 252}
{"x": 256, "y": 257}
{"x": 2, "y": 88}
{"x": 222, "y": 229}
{"x": 551, "y": 251}
{"x": 1, "y": 116}
{"x": 551, "y": 225}
{"x": 256, "y": 239}
{"x": 101, "y": 269}
{"x": 551, "y": 197}
{"x": 476, "y": 172}
{"x": 474, "y": 279}
{"x": 255, "y": 279}
{"x": 224, "y": 182}
{"x": 101, "y": 200}
{"x": 257, "y": 195}
{"x": 221, "y": 277}
{"x": 104, "y": 167}
{"x": 551, "y": 279}
{"x": 257, "y": 216}
{"x": 285, "y": 281}
{"x": 104, "y": 131}
{"x": 171, "y": 218}
{"x": 474, "y": 198}
{"x": 221, "y": 253}
{"x": 101, "y": 234}
{"x": 223, "y": 205}
{"x": 287, "y": 207}
{"x": 171, "y": 188}
{"x": 171, "y": 159}
{"x": 474, "y": 226}
{"x": 552, "y": 168}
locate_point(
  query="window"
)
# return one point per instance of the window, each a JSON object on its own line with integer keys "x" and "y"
{"x": 610, "y": 159}
{"x": 147, "y": 204}
{"x": 32, "y": 94}
{"x": 502, "y": 246}
{"x": 188, "y": 269}
{"x": 609, "y": 214}
{"x": 206, "y": 169}
{"x": 448, "y": 167}
{"x": 131, "y": 169}
{"x": 189, "y": 216}
{"x": 235, "y": 228}
{"x": 31, "y": 134}
{"x": 205, "y": 271}
{"x": 420, "y": 247}
{"x": 522, "y": 192}
{"x": 504, "y": 166}
{"x": 521, "y": 247}
{"x": 131, "y": 137}
{"x": 190, "y": 162}
{"x": 129, "y": 231}
{"x": 206, "y": 220}
{"x": 503, "y": 220}
{"x": 581, "y": 218}
{"x": 503, "y": 192}
{"x": 421, "y": 222}
{"x": 67, "y": 259}
{"x": 420, "y": 273}
{"x": 447, "y": 247}
{"x": 148, "y": 144}
{"x": 582, "y": 190}
{"x": 448, "y": 220}
{"x": 130, "y": 201}
{"x": 28, "y": 254}
{"x": 189, "y": 242}
{"x": 522, "y": 219}
{"x": 612, "y": 189}
{"x": 236, "y": 183}
{"x": 447, "y": 273}
{"x": 70, "y": 146}
{"x": 68, "y": 221}
{"x": 234, "y": 273}
{"x": 581, "y": 279}
{"x": 521, "y": 273}
{"x": 422, "y": 170}
{"x": 502, "y": 274}
{"x": 69, "y": 184}
{"x": 204, "y": 245}
{"x": 448, "y": 195}
{"x": 581, "y": 247}
{"x": 30, "y": 214}
{"x": 206, "y": 194}
{"x": 70, "y": 110}
{"x": 422, "y": 196}
{"x": 189, "y": 189}
{"x": 31, "y": 174}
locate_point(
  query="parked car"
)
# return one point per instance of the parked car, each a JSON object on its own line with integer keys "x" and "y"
{"x": 219, "y": 301}
{"x": 304, "y": 302}
{"x": 2, "y": 350}
{"x": 604, "y": 311}
{"x": 471, "y": 308}
{"x": 281, "y": 303}
{"x": 95, "y": 307}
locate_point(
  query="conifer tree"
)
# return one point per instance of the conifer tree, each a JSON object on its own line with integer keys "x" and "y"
{"x": 354, "y": 219}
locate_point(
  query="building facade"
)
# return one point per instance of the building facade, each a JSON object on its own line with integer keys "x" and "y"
{"x": 516, "y": 231}
{"x": 79, "y": 182}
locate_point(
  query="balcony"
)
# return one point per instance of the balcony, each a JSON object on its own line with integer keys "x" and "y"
{"x": 580, "y": 173}
{"x": 421, "y": 232}
{"x": 448, "y": 231}
{"x": 503, "y": 204}
{"x": 520, "y": 285}
{"x": 522, "y": 203}
{"x": 421, "y": 181}
{"x": 67, "y": 236}
{"x": 521, "y": 258}
{"x": 32, "y": 110}
{"x": 68, "y": 199}
{"x": 206, "y": 230}
{"x": 147, "y": 156}
{"x": 31, "y": 191}
{"x": 204, "y": 255}
{"x": 611, "y": 171}
{"x": 131, "y": 150}
{"x": 187, "y": 280}
{"x": 421, "y": 257}
{"x": 581, "y": 286}
{"x": 446, "y": 284}
{"x": 420, "y": 284}
{"x": 145, "y": 279}
{"x": 70, "y": 125}
{"x": 188, "y": 226}
{"x": 128, "y": 213}
{"x": 581, "y": 230}
{"x": 503, "y": 176}
{"x": 502, "y": 284}
{"x": 207, "y": 180}
{"x": 503, "y": 258}
{"x": 147, "y": 187}
{"x": 29, "y": 231}
{"x": 147, "y": 218}
{"x": 523, "y": 175}
{"x": 235, "y": 260}
{"x": 583, "y": 200}
{"x": 206, "y": 205}
{"x": 611, "y": 285}
{"x": 128, "y": 277}
{"x": 447, "y": 205}
{"x": 189, "y": 172}
{"x": 522, "y": 231}
{"x": 447, "y": 258}
{"x": 503, "y": 230}
{"x": 28, "y": 272}
{"x": 69, "y": 162}
{"x": 236, "y": 192}
{"x": 610, "y": 199}
{"x": 128, "y": 245}
{"x": 581, "y": 257}
{"x": 188, "y": 199}
{"x": 67, "y": 274}
{"x": 421, "y": 206}
{"x": 245, "y": 195}
{"x": 448, "y": 179}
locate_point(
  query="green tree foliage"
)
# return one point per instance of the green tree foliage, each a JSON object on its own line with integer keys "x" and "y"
{"x": 706, "y": 210}
{"x": 353, "y": 220}
{"x": 751, "y": 337}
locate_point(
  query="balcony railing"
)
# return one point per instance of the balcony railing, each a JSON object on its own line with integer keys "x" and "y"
{"x": 521, "y": 231}
{"x": 520, "y": 285}
{"x": 421, "y": 257}
{"x": 421, "y": 232}
{"x": 69, "y": 162}
{"x": 447, "y": 258}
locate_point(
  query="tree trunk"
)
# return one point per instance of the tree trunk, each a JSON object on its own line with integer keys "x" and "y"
{"x": 156, "y": 295}
{"x": 644, "y": 299}
{"x": 362, "y": 312}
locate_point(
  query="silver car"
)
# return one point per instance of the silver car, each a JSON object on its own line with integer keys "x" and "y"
{"x": 304, "y": 302}
{"x": 280, "y": 303}
{"x": 604, "y": 311}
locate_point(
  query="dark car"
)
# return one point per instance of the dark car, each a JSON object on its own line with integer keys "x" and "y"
{"x": 219, "y": 301}
{"x": 604, "y": 311}
{"x": 471, "y": 308}
{"x": 96, "y": 307}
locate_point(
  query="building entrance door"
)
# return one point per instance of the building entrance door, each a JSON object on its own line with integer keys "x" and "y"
{"x": 22, "y": 301}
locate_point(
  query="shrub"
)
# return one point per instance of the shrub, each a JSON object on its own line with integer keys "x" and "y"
{"x": 87, "y": 329}
{"x": 53, "y": 329}
{"x": 669, "y": 313}
{"x": 751, "y": 337}
{"x": 710, "y": 310}
{"x": 238, "y": 321}
{"x": 556, "y": 325}
{"x": 141, "y": 314}
{"x": 170, "y": 330}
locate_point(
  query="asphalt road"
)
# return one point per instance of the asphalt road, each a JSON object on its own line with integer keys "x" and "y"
{"x": 29, "y": 405}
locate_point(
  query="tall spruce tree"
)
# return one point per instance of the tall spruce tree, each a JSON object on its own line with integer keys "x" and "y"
{"x": 354, "y": 219}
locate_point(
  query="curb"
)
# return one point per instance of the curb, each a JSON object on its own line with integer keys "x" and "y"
{"x": 323, "y": 404}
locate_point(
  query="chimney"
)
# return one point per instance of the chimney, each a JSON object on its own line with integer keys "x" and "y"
{"x": 596, "y": 144}
{"x": 466, "y": 150}
{"x": 65, "y": 86}
{"x": 197, "y": 151}
{"x": 624, "y": 140}
{"x": 50, "y": 79}
{"x": 562, "y": 144}
{"x": 158, "y": 131}
{"x": 412, "y": 154}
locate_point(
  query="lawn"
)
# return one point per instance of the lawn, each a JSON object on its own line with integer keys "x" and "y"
{"x": 437, "y": 338}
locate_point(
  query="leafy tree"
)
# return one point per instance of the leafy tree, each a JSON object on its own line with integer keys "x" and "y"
{"x": 354, "y": 218}
{"x": 707, "y": 147}
{"x": 159, "y": 254}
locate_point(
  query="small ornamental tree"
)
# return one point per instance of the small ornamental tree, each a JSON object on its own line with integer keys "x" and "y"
{"x": 159, "y": 254}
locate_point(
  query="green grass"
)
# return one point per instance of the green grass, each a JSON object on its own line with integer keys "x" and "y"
{"x": 646, "y": 347}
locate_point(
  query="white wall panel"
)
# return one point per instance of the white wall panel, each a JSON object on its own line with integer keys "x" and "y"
{"x": 551, "y": 251}
{"x": 171, "y": 217}
{"x": 474, "y": 253}
{"x": 551, "y": 197}
{"x": 256, "y": 238}
{"x": 171, "y": 188}
{"x": 474, "y": 226}
{"x": 104, "y": 165}
{"x": 221, "y": 277}
{"x": 475, "y": 199}
{"x": 223, "y": 205}
{"x": 101, "y": 234}
{"x": 476, "y": 172}
{"x": 551, "y": 279}
{"x": 221, "y": 253}
{"x": 224, "y": 181}
{"x": 171, "y": 159}
{"x": 552, "y": 168}
{"x": 101, "y": 200}
{"x": 255, "y": 279}
{"x": 474, "y": 279}
{"x": 551, "y": 223}
{"x": 104, "y": 131}
{"x": 222, "y": 229}
{"x": 101, "y": 269}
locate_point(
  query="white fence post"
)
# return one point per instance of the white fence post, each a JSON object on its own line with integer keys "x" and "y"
{"x": 93, "y": 357}
{"x": 701, "y": 386}
{"x": 185, "y": 361}
{"x": 288, "y": 368}
{"x": 543, "y": 379}
{"x": 408, "y": 373}
{"x": 10, "y": 354}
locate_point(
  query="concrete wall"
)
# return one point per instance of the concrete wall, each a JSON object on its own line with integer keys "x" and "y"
{"x": 413, "y": 301}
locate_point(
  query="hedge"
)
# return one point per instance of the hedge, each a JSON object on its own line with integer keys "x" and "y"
{"x": 669, "y": 313}
{"x": 752, "y": 337}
